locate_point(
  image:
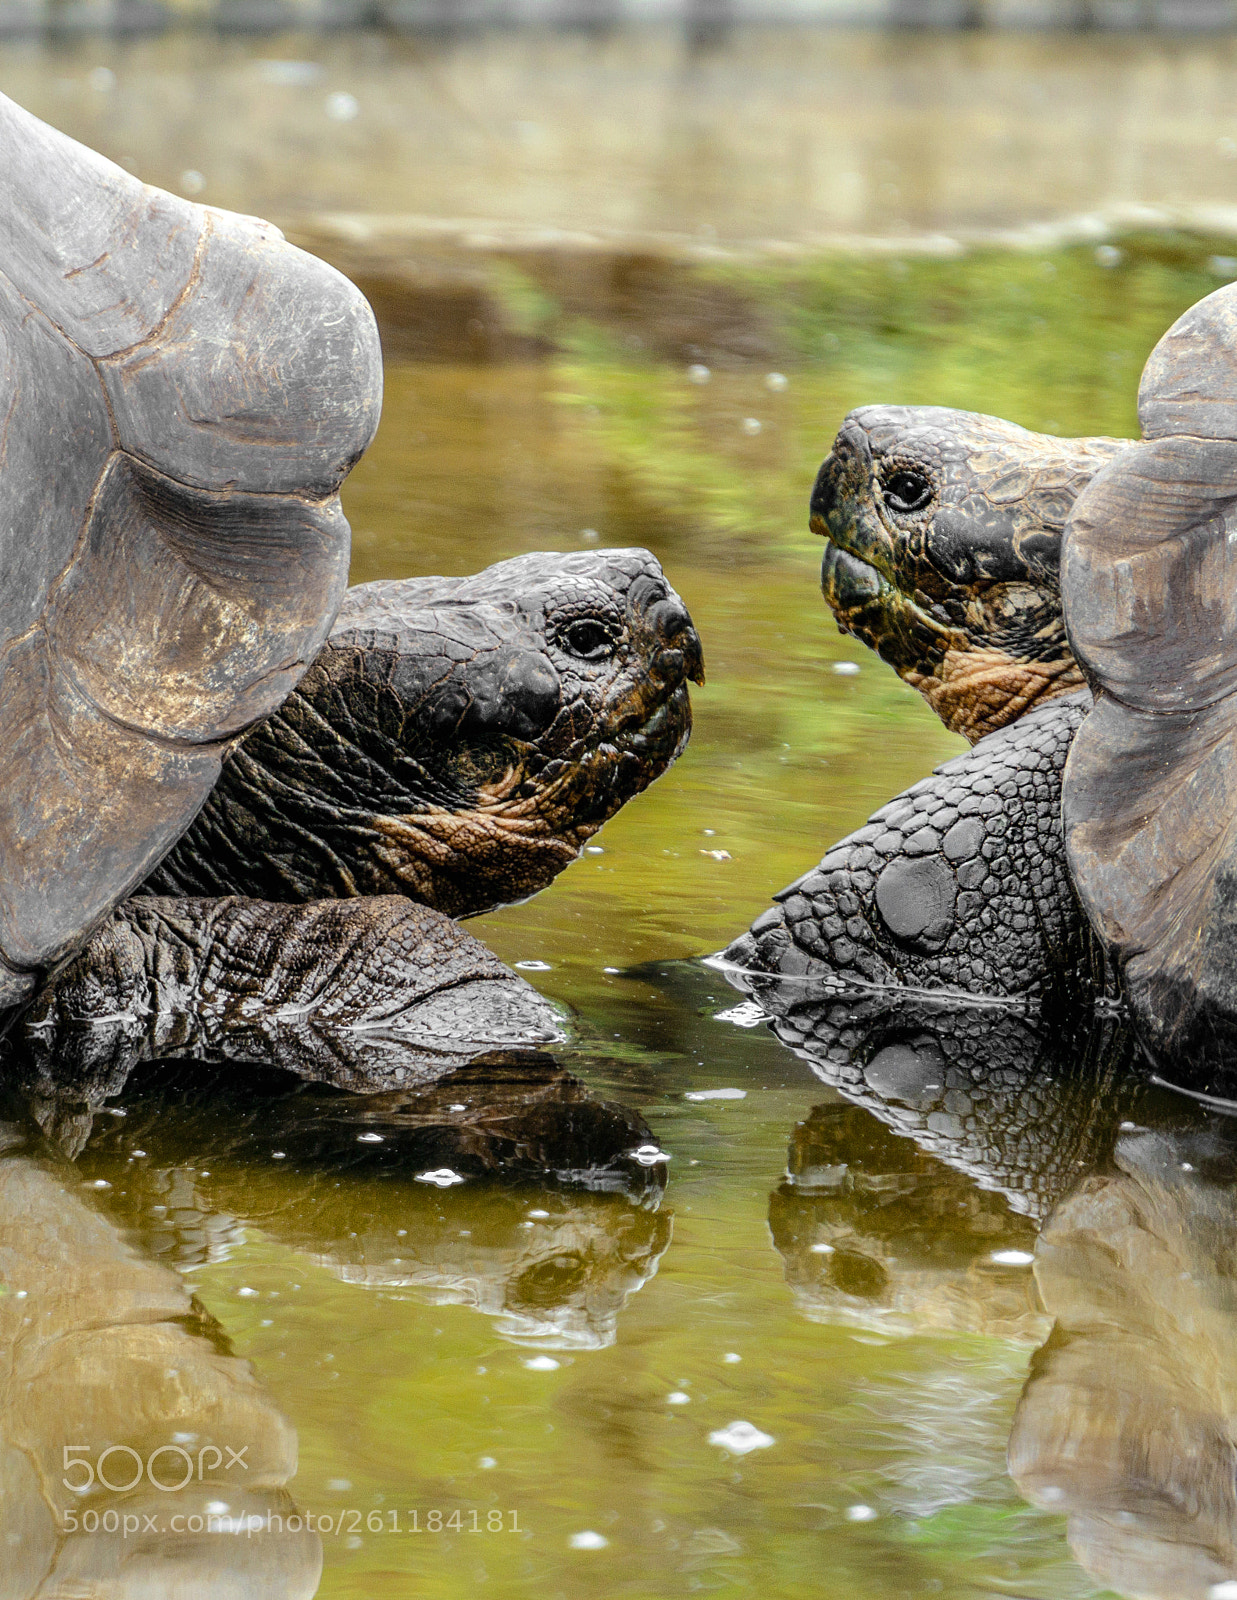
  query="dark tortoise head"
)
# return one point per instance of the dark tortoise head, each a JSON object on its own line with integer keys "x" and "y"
{"x": 944, "y": 531}
{"x": 458, "y": 739}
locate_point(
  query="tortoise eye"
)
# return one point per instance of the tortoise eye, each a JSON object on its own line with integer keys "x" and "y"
{"x": 587, "y": 638}
{"x": 906, "y": 490}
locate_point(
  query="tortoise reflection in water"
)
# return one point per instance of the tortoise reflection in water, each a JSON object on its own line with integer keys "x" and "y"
{"x": 954, "y": 545}
{"x": 547, "y": 1219}
{"x": 105, "y": 1351}
{"x": 922, "y": 1221}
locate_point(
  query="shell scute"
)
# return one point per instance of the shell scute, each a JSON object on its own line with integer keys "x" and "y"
{"x": 181, "y": 395}
{"x": 1150, "y": 789}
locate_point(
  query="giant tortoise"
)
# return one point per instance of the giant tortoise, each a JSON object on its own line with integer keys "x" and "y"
{"x": 454, "y": 745}
{"x": 1052, "y": 599}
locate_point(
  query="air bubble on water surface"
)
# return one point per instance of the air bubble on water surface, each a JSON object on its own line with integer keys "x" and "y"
{"x": 440, "y": 1177}
{"x": 740, "y": 1438}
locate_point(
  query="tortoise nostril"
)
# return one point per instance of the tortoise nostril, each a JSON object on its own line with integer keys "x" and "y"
{"x": 676, "y": 636}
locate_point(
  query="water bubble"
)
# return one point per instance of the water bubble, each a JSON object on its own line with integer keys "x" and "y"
{"x": 731, "y": 1357}
{"x": 267, "y": 1322}
{"x": 716, "y": 1094}
{"x": 860, "y": 1514}
{"x": 846, "y": 669}
{"x": 588, "y": 1540}
{"x": 648, "y": 1155}
{"x": 440, "y": 1177}
{"x": 458, "y": 1106}
{"x": 99, "y": 1183}
{"x": 776, "y": 382}
{"x": 1107, "y": 255}
{"x": 740, "y": 1438}
{"x": 217, "y": 1508}
{"x": 822, "y": 1249}
{"x": 247, "y": 1293}
{"x": 698, "y": 373}
{"x": 192, "y": 181}
{"x": 342, "y": 107}
{"x": 339, "y": 1485}
{"x": 101, "y": 79}
{"x": 1012, "y": 1258}
{"x": 718, "y": 855}
{"x": 534, "y": 966}
{"x": 613, "y": 971}
{"x": 594, "y": 850}
{"x": 539, "y": 1216}
{"x": 486, "y": 1462}
{"x": 591, "y": 534}
{"x": 751, "y": 425}
{"x": 678, "y": 1398}
{"x": 369, "y": 1138}
{"x": 542, "y": 1364}
{"x": 279, "y": 1155}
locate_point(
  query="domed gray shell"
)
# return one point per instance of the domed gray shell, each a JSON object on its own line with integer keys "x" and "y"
{"x": 1149, "y": 582}
{"x": 181, "y": 394}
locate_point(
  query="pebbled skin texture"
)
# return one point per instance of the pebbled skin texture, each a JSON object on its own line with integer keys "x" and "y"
{"x": 457, "y": 740}
{"x": 959, "y": 883}
{"x": 363, "y": 994}
{"x": 943, "y": 533}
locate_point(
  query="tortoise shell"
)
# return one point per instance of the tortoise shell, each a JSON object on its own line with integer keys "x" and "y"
{"x": 1149, "y": 583}
{"x": 183, "y": 394}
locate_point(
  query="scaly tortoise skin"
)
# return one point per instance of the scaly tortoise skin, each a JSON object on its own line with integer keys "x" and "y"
{"x": 1132, "y": 824}
{"x": 451, "y": 749}
{"x": 185, "y": 393}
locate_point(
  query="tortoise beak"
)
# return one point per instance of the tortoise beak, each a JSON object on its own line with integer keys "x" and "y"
{"x": 824, "y": 496}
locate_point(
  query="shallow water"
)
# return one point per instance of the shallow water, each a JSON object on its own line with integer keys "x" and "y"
{"x": 529, "y": 1381}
